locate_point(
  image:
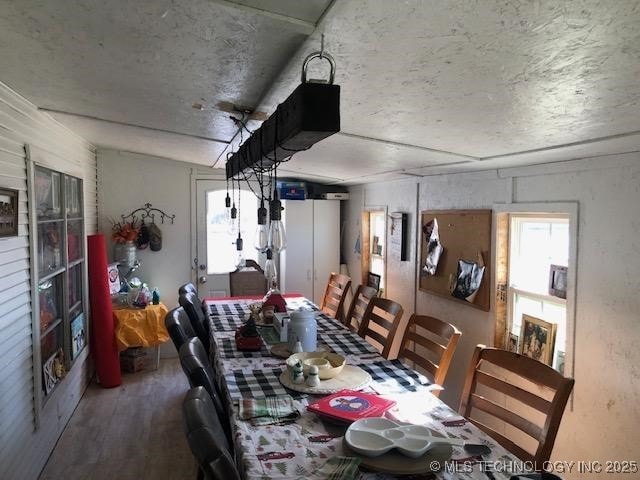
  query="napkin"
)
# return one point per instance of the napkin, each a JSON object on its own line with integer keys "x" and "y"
{"x": 280, "y": 410}
{"x": 340, "y": 468}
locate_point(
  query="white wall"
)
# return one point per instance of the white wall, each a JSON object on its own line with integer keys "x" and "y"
{"x": 127, "y": 181}
{"x": 603, "y": 422}
{"x": 23, "y": 449}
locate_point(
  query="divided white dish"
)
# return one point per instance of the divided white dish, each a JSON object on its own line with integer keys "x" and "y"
{"x": 373, "y": 437}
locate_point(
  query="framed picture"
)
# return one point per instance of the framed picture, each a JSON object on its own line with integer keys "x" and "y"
{"x": 78, "y": 338}
{"x": 373, "y": 280}
{"x": 538, "y": 339}
{"x": 513, "y": 343}
{"x": 558, "y": 281}
{"x": 8, "y": 212}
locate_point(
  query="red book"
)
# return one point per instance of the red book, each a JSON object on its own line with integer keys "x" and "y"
{"x": 350, "y": 405}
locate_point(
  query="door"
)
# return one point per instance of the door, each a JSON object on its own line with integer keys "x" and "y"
{"x": 215, "y": 245}
{"x": 297, "y": 259}
{"x": 326, "y": 244}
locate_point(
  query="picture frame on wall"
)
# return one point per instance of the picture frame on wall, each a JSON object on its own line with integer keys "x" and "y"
{"x": 558, "y": 281}
{"x": 538, "y": 338}
{"x": 373, "y": 280}
{"x": 8, "y": 212}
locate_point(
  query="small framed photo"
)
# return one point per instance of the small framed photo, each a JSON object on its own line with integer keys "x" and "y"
{"x": 558, "y": 281}
{"x": 513, "y": 343}
{"x": 8, "y": 212}
{"x": 538, "y": 339}
{"x": 373, "y": 280}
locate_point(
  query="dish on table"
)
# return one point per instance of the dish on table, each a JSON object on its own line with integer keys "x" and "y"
{"x": 329, "y": 364}
{"x": 351, "y": 377}
{"x": 376, "y": 436}
{"x": 395, "y": 463}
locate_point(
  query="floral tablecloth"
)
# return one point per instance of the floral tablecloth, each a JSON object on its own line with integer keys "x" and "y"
{"x": 301, "y": 450}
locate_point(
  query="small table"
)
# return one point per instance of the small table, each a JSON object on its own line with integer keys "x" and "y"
{"x": 141, "y": 327}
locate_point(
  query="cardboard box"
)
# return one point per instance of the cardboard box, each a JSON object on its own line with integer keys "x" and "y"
{"x": 138, "y": 359}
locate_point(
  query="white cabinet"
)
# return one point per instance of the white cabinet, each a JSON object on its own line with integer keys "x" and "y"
{"x": 313, "y": 246}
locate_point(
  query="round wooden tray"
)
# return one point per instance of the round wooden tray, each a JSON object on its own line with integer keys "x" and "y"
{"x": 398, "y": 464}
{"x": 280, "y": 350}
{"x": 351, "y": 377}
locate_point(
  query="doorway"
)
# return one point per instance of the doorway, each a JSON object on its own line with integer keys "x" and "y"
{"x": 216, "y": 254}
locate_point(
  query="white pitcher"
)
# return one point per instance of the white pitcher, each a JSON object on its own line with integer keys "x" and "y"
{"x": 303, "y": 328}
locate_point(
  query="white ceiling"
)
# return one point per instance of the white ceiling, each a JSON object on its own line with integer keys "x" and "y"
{"x": 427, "y": 87}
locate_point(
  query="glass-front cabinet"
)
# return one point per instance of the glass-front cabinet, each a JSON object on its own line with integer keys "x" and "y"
{"x": 60, "y": 266}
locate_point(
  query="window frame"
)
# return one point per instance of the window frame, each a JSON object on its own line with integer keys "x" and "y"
{"x": 544, "y": 209}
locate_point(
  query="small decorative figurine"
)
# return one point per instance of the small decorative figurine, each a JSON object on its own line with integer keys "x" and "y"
{"x": 312, "y": 379}
{"x": 298, "y": 374}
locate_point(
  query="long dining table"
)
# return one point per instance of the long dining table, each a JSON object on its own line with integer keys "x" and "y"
{"x": 309, "y": 447}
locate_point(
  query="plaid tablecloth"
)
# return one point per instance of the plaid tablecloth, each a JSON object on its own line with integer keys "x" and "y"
{"x": 223, "y": 323}
{"x": 305, "y": 449}
{"x": 254, "y": 383}
{"x": 228, "y": 308}
{"x": 347, "y": 343}
{"x": 391, "y": 376}
{"x": 227, "y": 349}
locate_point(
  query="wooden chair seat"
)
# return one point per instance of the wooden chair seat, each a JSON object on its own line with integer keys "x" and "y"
{"x": 537, "y": 388}
{"x": 380, "y": 322}
{"x": 334, "y": 295}
{"x": 433, "y": 342}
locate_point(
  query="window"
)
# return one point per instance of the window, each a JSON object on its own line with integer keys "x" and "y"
{"x": 221, "y": 248}
{"x": 59, "y": 273}
{"x": 536, "y": 243}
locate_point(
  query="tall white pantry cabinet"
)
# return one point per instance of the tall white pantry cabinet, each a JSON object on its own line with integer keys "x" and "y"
{"x": 313, "y": 246}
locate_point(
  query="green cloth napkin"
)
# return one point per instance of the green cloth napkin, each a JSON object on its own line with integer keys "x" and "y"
{"x": 340, "y": 468}
{"x": 280, "y": 410}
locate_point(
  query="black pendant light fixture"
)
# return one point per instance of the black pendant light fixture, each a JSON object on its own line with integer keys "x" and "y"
{"x": 310, "y": 114}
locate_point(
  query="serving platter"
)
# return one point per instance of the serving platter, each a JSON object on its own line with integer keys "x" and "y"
{"x": 393, "y": 462}
{"x": 351, "y": 377}
{"x": 376, "y": 436}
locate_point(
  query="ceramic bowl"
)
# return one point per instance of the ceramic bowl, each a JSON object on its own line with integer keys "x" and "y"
{"x": 373, "y": 437}
{"x": 329, "y": 364}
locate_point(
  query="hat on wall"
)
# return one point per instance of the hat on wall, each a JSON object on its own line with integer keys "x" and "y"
{"x": 155, "y": 238}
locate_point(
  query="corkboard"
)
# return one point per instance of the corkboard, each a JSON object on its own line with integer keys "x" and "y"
{"x": 463, "y": 234}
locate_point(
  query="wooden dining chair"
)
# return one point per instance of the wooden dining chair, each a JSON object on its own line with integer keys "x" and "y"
{"x": 539, "y": 390}
{"x": 433, "y": 342}
{"x": 206, "y": 437}
{"x": 359, "y": 304}
{"x": 334, "y": 295}
{"x": 380, "y": 322}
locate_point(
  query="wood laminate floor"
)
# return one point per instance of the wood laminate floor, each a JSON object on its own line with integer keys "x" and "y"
{"x": 133, "y": 431}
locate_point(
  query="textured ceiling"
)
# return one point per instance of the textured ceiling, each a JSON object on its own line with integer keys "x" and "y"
{"x": 427, "y": 87}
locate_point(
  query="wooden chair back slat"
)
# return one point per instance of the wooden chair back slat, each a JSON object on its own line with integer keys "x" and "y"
{"x": 424, "y": 363}
{"x": 373, "y": 315}
{"x": 334, "y": 295}
{"x": 505, "y": 415}
{"x": 440, "y": 345}
{"x": 518, "y": 371}
{"x": 359, "y": 304}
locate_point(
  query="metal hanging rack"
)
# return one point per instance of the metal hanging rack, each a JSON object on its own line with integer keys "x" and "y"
{"x": 147, "y": 211}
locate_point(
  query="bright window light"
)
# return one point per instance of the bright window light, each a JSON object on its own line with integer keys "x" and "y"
{"x": 221, "y": 248}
